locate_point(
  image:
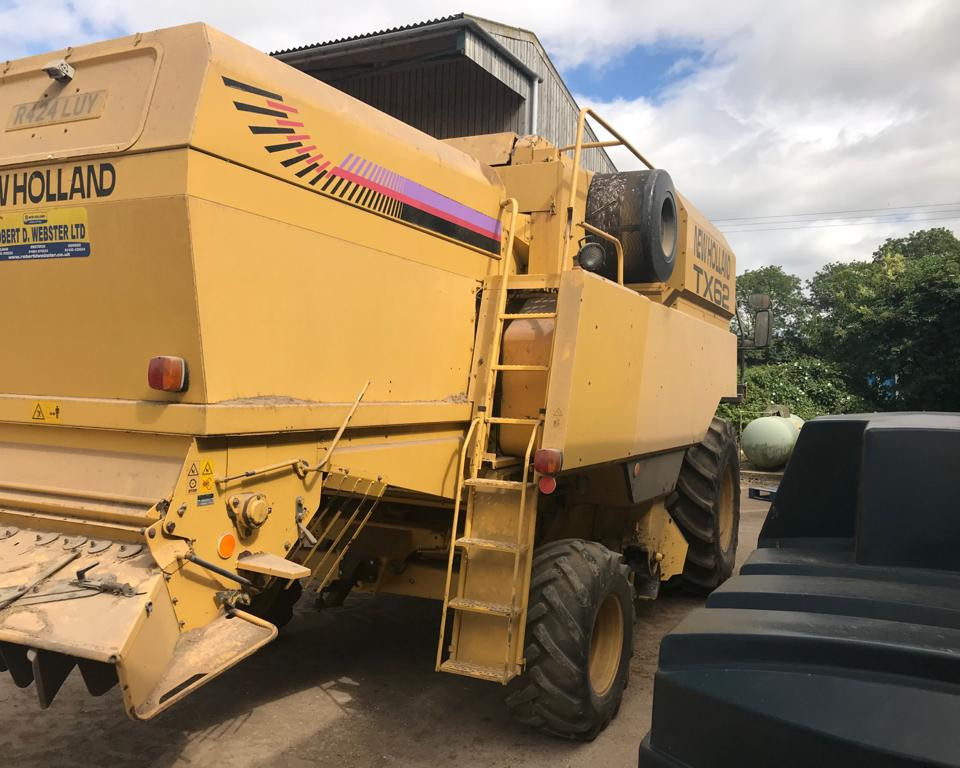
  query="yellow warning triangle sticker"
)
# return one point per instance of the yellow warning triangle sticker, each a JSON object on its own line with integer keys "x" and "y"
{"x": 38, "y": 413}
{"x": 207, "y": 469}
{"x": 193, "y": 470}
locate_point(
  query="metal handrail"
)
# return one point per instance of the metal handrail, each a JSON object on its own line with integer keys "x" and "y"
{"x": 618, "y": 246}
{"x": 453, "y": 533}
{"x": 578, "y": 146}
{"x": 521, "y": 522}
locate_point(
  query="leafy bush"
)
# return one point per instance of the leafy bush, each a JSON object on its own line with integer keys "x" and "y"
{"x": 807, "y": 386}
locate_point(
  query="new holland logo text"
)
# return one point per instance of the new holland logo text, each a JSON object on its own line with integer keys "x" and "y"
{"x": 53, "y": 185}
{"x": 713, "y": 277}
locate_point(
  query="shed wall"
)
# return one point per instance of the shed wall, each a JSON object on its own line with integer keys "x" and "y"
{"x": 445, "y": 99}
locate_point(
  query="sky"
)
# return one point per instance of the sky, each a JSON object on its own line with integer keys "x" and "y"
{"x": 809, "y": 131}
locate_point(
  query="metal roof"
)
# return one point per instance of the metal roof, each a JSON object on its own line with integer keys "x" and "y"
{"x": 457, "y": 21}
{"x": 403, "y": 28}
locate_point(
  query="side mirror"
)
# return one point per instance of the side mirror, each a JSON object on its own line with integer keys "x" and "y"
{"x": 761, "y": 328}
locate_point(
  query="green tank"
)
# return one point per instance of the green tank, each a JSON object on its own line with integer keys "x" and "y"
{"x": 769, "y": 440}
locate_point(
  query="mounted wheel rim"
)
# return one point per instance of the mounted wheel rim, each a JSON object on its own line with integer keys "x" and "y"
{"x": 606, "y": 645}
{"x": 726, "y": 517}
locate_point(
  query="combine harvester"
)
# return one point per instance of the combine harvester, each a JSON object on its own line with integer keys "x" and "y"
{"x": 258, "y": 336}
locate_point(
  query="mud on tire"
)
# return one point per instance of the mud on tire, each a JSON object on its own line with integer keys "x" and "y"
{"x": 706, "y": 507}
{"x": 573, "y": 643}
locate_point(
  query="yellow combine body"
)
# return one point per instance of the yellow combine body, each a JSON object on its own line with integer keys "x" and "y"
{"x": 258, "y": 335}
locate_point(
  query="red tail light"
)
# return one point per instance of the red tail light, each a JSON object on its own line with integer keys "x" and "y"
{"x": 168, "y": 374}
{"x": 548, "y": 461}
{"x": 547, "y": 484}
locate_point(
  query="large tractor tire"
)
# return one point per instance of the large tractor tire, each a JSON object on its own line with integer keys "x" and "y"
{"x": 706, "y": 506}
{"x": 579, "y": 640}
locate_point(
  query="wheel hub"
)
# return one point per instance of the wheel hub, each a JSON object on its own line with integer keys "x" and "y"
{"x": 606, "y": 645}
{"x": 725, "y": 511}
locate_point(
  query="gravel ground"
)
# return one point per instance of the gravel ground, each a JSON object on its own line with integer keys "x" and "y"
{"x": 349, "y": 687}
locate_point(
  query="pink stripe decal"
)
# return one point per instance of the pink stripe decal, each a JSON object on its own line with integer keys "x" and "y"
{"x": 298, "y": 137}
{"x": 289, "y": 123}
{"x": 315, "y": 158}
{"x": 281, "y": 107}
{"x": 304, "y": 150}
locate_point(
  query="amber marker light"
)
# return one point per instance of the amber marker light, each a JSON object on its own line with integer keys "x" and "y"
{"x": 226, "y": 546}
{"x": 548, "y": 461}
{"x": 167, "y": 374}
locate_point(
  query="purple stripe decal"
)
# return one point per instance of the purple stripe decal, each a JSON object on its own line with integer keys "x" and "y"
{"x": 418, "y": 193}
{"x": 452, "y": 207}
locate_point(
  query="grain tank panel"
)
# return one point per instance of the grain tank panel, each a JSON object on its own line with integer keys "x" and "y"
{"x": 228, "y": 188}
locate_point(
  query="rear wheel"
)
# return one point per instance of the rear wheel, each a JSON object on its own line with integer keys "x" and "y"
{"x": 579, "y": 640}
{"x": 706, "y": 506}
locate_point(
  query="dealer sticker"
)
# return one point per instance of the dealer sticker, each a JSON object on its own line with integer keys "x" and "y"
{"x": 57, "y": 233}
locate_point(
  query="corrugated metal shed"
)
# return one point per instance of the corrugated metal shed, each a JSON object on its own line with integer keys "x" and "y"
{"x": 455, "y": 76}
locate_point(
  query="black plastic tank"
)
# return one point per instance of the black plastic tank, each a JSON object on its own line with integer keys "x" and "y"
{"x": 839, "y": 642}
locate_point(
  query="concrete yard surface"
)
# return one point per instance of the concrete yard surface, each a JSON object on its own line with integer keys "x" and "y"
{"x": 350, "y": 687}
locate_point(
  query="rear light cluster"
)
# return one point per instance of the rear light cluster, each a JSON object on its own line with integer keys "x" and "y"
{"x": 167, "y": 374}
{"x": 548, "y": 462}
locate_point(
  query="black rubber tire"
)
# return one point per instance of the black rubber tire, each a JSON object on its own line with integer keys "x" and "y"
{"x": 571, "y": 579}
{"x": 695, "y": 506}
{"x": 639, "y": 208}
{"x": 276, "y": 604}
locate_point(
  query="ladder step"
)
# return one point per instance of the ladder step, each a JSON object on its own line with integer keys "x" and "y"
{"x": 509, "y": 420}
{"x": 474, "y": 670}
{"x": 499, "y": 461}
{"x": 483, "y": 483}
{"x": 492, "y": 544}
{"x": 480, "y": 606}
{"x": 527, "y": 315}
{"x": 506, "y": 367}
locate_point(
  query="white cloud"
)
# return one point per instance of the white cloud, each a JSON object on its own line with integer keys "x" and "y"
{"x": 814, "y": 107}
{"x": 808, "y": 106}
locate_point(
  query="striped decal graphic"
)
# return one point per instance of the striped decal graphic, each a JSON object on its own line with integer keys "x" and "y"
{"x": 357, "y": 180}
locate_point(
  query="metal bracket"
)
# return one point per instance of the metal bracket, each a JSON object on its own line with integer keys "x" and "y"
{"x": 302, "y": 466}
{"x": 305, "y": 534}
{"x": 108, "y": 584}
{"x": 18, "y": 592}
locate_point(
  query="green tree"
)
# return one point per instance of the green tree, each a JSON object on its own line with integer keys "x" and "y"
{"x": 892, "y": 324}
{"x": 790, "y": 311}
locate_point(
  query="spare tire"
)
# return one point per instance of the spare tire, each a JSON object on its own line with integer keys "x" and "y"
{"x": 639, "y": 208}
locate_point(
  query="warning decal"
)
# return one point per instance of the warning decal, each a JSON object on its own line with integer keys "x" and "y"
{"x": 200, "y": 477}
{"x": 45, "y": 412}
{"x": 193, "y": 479}
{"x": 206, "y": 477}
{"x": 52, "y": 234}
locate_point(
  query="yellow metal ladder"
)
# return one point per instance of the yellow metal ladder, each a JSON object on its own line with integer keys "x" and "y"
{"x": 489, "y": 608}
